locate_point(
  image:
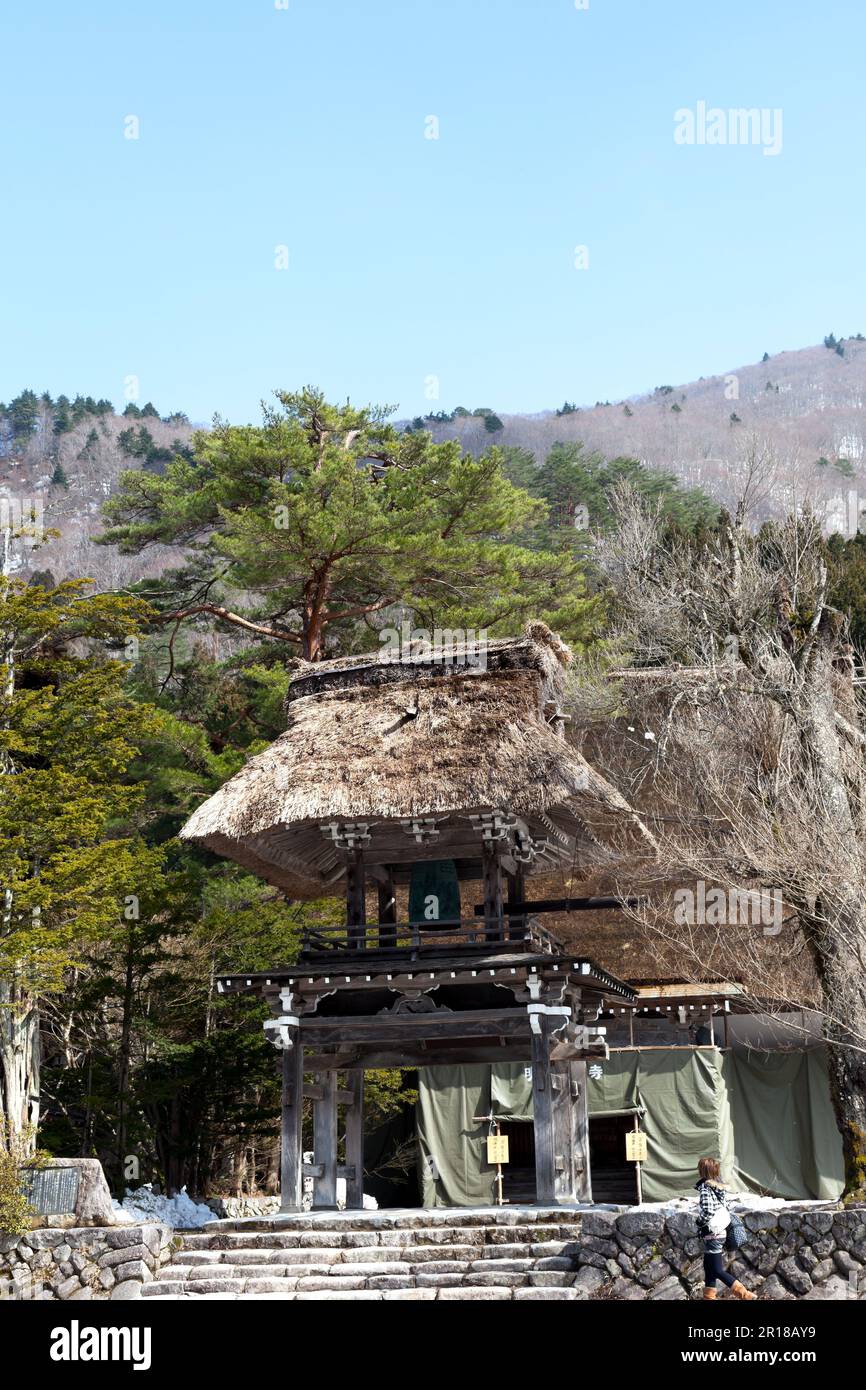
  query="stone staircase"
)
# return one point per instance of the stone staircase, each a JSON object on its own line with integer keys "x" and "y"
{"x": 498, "y": 1253}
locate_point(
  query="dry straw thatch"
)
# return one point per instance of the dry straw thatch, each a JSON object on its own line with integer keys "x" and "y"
{"x": 378, "y": 742}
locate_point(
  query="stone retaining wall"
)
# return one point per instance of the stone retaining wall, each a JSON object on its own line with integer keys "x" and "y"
{"x": 815, "y": 1254}
{"x": 83, "y": 1262}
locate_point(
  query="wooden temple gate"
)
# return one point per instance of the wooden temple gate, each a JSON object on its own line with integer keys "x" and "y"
{"x": 453, "y": 996}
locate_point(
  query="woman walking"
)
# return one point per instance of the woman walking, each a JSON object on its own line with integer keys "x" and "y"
{"x": 714, "y": 1217}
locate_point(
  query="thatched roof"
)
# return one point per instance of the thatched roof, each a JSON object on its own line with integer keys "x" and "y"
{"x": 377, "y": 742}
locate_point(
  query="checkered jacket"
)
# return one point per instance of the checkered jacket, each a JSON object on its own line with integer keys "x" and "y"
{"x": 710, "y": 1198}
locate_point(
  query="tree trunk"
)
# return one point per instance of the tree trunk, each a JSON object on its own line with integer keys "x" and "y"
{"x": 124, "y": 1055}
{"x": 838, "y": 946}
{"x": 19, "y": 1066}
{"x": 836, "y": 933}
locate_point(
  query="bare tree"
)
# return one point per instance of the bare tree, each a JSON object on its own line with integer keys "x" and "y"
{"x": 748, "y": 759}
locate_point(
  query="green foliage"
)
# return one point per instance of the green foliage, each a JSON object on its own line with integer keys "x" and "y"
{"x": 23, "y": 414}
{"x": 58, "y": 477}
{"x": 385, "y": 1095}
{"x": 16, "y": 1154}
{"x": 327, "y": 515}
{"x": 570, "y": 478}
{"x": 67, "y": 736}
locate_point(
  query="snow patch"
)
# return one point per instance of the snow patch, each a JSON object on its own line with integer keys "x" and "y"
{"x": 179, "y": 1212}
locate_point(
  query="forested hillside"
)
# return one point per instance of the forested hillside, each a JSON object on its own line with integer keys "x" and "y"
{"x": 65, "y": 456}
{"x": 793, "y": 419}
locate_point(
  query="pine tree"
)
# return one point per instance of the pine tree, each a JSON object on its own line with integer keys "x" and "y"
{"x": 328, "y": 516}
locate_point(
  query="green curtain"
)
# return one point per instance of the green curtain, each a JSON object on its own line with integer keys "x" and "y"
{"x": 452, "y": 1144}
{"x": 511, "y": 1091}
{"x": 787, "y": 1141}
{"x": 687, "y": 1112}
{"x": 767, "y": 1117}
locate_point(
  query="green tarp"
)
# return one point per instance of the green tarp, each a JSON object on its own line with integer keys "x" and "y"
{"x": 766, "y": 1116}
{"x": 787, "y": 1142}
{"x": 685, "y": 1098}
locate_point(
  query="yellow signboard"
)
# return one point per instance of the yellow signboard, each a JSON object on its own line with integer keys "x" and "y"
{"x": 497, "y": 1148}
{"x": 635, "y": 1146}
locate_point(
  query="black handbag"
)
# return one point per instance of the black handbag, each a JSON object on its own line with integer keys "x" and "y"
{"x": 736, "y": 1234}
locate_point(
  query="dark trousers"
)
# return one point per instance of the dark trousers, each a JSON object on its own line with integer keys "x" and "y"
{"x": 714, "y": 1268}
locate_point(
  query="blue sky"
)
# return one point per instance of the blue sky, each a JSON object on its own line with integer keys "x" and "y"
{"x": 412, "y": 258}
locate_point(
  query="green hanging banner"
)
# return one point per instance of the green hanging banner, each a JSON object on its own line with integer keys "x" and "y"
{"x": 434, "y": 893}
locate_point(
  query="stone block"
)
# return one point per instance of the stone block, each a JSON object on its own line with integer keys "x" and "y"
{"x": 795, "y": 1277}
{"x": 128, "y": 1290}
{"x": 833, "y": 1288}
{"x": 641, "y": 1223}
{"x": 669, "y": 1290}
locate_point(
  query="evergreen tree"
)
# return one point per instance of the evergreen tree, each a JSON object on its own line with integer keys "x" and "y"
{"x": 23, "y": 414}
{"x": 328, "y": 515}
{"x": 67, "y": 736}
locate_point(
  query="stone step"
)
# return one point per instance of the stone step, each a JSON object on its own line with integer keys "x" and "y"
{"x": 379, "y": 1258}
{"x": 181, "y": 1282}
{"x": 331, "y": 1238}
{"x": 448, "y": 1293}
{"x": 413, "y": 1219}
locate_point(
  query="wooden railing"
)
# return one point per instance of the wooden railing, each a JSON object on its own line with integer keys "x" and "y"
{"x": 515, "y": 933}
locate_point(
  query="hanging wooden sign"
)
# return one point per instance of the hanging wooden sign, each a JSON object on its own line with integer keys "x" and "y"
{"x": 635, "y": 1146}
{"x": 497, "y": 1148}
{"x": 434, "y": 893}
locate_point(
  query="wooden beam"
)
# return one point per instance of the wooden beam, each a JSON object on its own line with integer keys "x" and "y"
{"x": 396, "y": 1029}
{"x": 291, "y": 1122}
{"x": 542, "y": 1115}
{"x": 356, "y": 897}
{"x": 413, "y": 1055}
{"x": 516, "y": 895}
{"x": 325, "y": 1143}
{"x": 597, "y": 904}
{"x": 355, "y": 1141}
{"x": 492, "y": 866}
{"x": 387, "y": 910}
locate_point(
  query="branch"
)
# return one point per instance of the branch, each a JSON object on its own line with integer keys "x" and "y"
{"x": 226, "y": 616}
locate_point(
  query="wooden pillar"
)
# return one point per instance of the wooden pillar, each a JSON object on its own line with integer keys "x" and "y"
{"x": 355, "y": 1141}
{"x": 542, "y": 1116}
{"x": 492, "y": 863}
{"x": 563, "y": 1131}
{"x": 580, "y": 1111}
{"x": 388, "y": 911}
{"x": 325, "y": 1142}
{"x": 291, "y": 1128}
{"x": 356, "y": 899}
{"x": 516, "y": 894}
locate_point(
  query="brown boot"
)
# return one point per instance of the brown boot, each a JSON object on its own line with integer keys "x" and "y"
{"x": 709, "y": 1293}
{"x": 740, "y": 1291}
